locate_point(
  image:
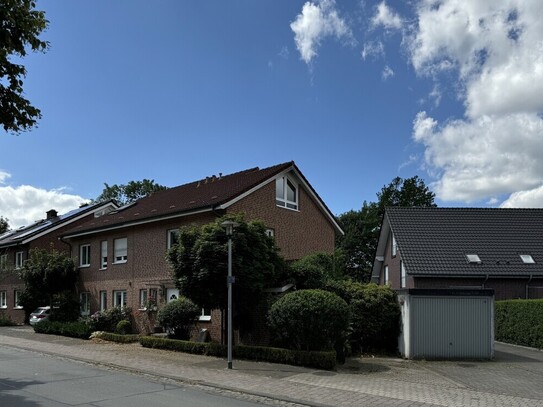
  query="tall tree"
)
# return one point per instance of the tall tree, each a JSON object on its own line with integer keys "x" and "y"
{"x": 128, "y": 193}
{"x": 20, "y": 27}
{"x": 4, "y": 225}
{"x": 362, "y": 227}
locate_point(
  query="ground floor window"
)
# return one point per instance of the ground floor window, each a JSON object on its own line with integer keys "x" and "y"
{"x": 103, "y": 300}
{"x": 84, "y": 301}
{"x": 3, "y": 299}
{"x": 17, "y": 295}
{"x": 143, "y": 299}
{"x": 206, "y": 314}
{"x": 119, "y": 298}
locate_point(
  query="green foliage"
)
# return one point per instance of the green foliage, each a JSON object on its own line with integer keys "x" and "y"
{"x": 66, "y": 308}
{"x": 123, "y": 327}
{"x": 118, "y": 338}
{"x": 362, "y": 227}
{"x": 375, "y": 315}
{"x": 319, "y": 360}
{"x": 314, "y": 270}
{"x": 20, "y": 27}
{"x": 199, "y": 263}
{"x": 109, "y": 319}
{"x": 128, "y": 193}
{"x": 312, "y": 320}
{"x": 4, "y": 225}
{"x": 6, "y": 321}
{"x": 178, "y": 317}
{"x": 520, "y": 322}
{"x": 77, "y": 329}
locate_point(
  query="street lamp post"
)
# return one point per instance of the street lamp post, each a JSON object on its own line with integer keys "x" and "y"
{"x": 229, "y": 227}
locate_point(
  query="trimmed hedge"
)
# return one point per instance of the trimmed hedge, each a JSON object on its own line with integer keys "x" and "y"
{"x": 72, "y": 329}
{"x": 108, "y": 336}
{"x": 520, "y": 322}
{"x": 319, "y": 360}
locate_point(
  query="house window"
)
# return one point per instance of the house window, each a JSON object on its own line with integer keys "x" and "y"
{"x": 173, "y": 237}
{"x": 17, "y": 295}
{"x": 473, "y": 258}
{"x": 103, "y": 254}
{"x": 3, "y": 299}
{"x": 286, "y": 193}
{"x": 270, "y": 232}
{"x": 103, "y": 300}
{"x": 84, "y": 255}
{"x": 403, "y": 275}
{"x": 385, "y": 275}
{"x": 19, "y": 260}
{"x": 527, "y": 259}
{"x": 153, "y": 295}
{"x": 206, "y": 314}
{"x": 120, "y": 249}
{"x": 84, "y": 301}
{"x": 394, "y": 246}
{"x": 3, "y": 261}
{"x": 119, "y": 298}
{"x": 143, "y": 299}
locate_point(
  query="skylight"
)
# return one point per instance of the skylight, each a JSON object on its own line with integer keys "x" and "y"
{"x": 527, "y": 258}
{"x": 473, "y": 258}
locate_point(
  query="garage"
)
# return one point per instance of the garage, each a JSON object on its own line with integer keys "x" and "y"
{"x": 447, "y": 323}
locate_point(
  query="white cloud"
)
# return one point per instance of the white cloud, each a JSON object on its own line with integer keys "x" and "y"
{"x": 386, "y": 17}
{"x": 317, "y": 21}
{"x": 374, "y": 49}
{"x": 387, "y": 73}
{"x": 496, "y": 48}
{"x": 525, "y": 199}
{"x": 284, "y": 53}
{"x": 25, "y": 204}
{"x": 4, "y": 176}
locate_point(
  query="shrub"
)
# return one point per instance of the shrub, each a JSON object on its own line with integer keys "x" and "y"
{"x": 314, "y": 270}
{"x": 6, "y": 321}
{"x": 65, "y": 307}
{"x": 108, "y": 336}
{"x": 77, "y": 329}
{"x": 520, "y": 322}
{"x": 319, "y": 360}
{"x": 375, "y": 315}
{"x": 123, "y": 327}
{"x": 311, "y": 320}
{"x": 107, "y": 320}
{"x": 178, "y": 317}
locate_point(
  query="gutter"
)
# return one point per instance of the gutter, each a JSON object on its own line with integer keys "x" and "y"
{"x": 528, "y": 284}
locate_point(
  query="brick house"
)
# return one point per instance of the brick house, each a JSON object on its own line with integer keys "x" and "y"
{"x": 122, "y": 255}
{"x": 491, "y": 248}
{"x": 44, "y": 234}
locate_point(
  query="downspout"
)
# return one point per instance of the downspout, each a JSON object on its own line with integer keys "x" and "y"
{"x": 484, "y": 282}
{"x": 528, "y": 284}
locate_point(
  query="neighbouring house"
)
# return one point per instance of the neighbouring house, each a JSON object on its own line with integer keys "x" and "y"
{"x": 462, "y": 248}
{"x": 122, "y": 255}
{"x": 44, "y": 234}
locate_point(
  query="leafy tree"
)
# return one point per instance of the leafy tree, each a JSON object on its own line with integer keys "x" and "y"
{"x": 314, "y": 270}
{"x": 20, "y": 27}
{"x": 199, "y": 263}
{"x": 362, "y": 227}
{"x": 48, "y": 275}
{"x": 128, "y": 193}
{"x": 4, "y": 225}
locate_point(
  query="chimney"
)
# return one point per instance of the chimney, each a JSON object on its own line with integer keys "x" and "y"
{"x": 51, "y": 214}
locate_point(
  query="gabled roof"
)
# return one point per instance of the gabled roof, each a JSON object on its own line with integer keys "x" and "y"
{"x": 205, "y": 195}
{"x": 26, "y": 234}
{"x": 436, "y": 241}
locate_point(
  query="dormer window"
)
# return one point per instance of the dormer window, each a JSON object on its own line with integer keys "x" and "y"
{"x": 286, "y": 193}
{"x": 527, "y": 258}
{"x": 473, "y": 258}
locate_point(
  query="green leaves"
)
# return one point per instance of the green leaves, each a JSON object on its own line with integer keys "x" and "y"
{"x": 125, "y": 194}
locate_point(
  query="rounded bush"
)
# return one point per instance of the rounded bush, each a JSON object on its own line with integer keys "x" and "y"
{"x": 309, "y": 320}
{"x": 123, "y": 327}
{"x": 178, "y": 317}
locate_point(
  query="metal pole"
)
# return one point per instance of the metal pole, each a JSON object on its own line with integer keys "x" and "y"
{"x": 229, "y": 302}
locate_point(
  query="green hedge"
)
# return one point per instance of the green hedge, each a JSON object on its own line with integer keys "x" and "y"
{"x": 72, "y": 329}
{"x": 319, "y": 360}
{"x": 108, "y": 336}
{"x": 520, "y": 322}
{"x": 6, "y": 321}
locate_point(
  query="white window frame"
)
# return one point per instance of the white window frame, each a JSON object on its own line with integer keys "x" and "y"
{"x": 103, "y": 301}
{"x": 281, "y": 198}
{"x": 403, "y": 275}
{"x": 394, "y": 245}
{"x": 3, "y": 261}
{"x": 173, "y": 237}
{"x": 3, "y": 299}
{"x": 84, "y": 303}
{"x": 205, "y": 316}
{"x": 103, "y": 255}
{"x": 84, "y": 255}
{"x": 120, "y": 254}
{"x": 270, "y": 232}
{"x": 385, "y": 275}
{"x": 123, "y": 298}
{"x": 144, "y": 299}
{"x": 16, "y": 295}
{"x": 19, "y": 260}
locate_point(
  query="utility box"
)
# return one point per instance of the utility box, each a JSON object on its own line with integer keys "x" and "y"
{"x": 447, "y": 323}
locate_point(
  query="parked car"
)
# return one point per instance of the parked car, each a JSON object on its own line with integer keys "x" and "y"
{"x": 39, "y": 315}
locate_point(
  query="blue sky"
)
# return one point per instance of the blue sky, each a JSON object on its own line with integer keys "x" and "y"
{"x": 355, "y": 92}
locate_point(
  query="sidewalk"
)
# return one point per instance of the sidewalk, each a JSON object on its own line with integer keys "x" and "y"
{"x": 360, "y": 382}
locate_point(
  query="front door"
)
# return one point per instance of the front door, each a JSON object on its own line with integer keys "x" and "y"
{"x": 172, "y": 294}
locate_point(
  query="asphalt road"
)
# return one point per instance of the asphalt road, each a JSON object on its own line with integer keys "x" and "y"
{"x": 29, "y": 379}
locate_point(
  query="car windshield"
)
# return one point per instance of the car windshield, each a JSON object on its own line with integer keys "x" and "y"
{"x": 41, "y": 311}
